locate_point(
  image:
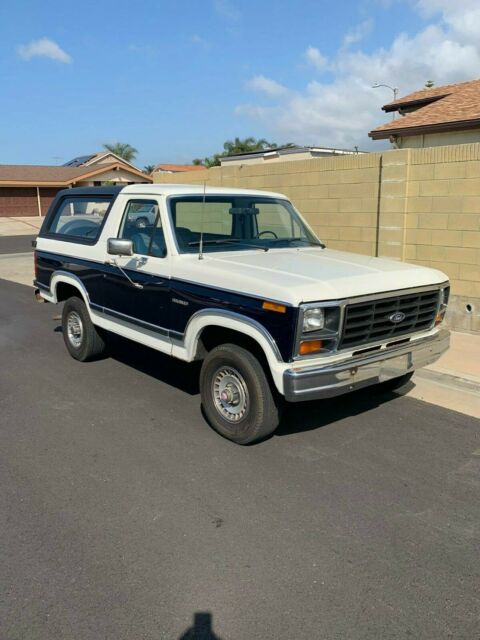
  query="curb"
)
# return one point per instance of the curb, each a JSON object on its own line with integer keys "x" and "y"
{"x": 449, "y": 380}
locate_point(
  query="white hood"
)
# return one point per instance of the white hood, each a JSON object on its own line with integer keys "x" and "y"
{"x": 303, "y": 275}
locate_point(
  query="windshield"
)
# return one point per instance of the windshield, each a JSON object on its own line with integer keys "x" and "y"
{"x": 232, "y": 223}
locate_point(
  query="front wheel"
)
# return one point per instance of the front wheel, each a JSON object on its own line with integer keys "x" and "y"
{"x": 236, "y": 395}
{"x": 81, "y": 337}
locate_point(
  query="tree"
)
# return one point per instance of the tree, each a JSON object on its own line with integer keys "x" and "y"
{"x": 123, "y": 150}
{"x": 429, "y": 84}
{"x": 237, "y": 146}
{"x": 148, "y": 169}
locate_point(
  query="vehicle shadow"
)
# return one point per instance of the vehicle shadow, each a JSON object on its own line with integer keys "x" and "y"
{"x": 171, "y": 371}
{"x": 296, "y": 417}
{"x": 307, "y": 416}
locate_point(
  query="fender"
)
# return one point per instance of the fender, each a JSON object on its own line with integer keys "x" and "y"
{"x": 68, "y": 278}
{"x": 229, "y": 320}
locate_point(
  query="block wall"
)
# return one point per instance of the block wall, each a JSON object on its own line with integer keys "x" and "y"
{"x": 416, "y": 205}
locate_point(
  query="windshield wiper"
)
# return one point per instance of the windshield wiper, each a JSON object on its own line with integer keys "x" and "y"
{"x": 314, "y": 244}
{"x": 228, "y": 241}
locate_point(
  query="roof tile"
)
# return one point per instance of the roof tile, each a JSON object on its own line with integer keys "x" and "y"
{"x": 447, "y": 105}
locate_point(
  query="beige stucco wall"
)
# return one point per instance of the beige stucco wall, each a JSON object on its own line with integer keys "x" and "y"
{"x": 419, "y": 205}
{"x": 438, "y": 139}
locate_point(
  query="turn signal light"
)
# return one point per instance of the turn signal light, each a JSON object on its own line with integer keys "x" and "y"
{"x": 273, "y": 306}
{"x": 310, "y": 346}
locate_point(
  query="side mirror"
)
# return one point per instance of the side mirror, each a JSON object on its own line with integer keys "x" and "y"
{"x": 119, "y": 247}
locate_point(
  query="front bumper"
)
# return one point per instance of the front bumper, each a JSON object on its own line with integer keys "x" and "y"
{"x": 313, "y": 383}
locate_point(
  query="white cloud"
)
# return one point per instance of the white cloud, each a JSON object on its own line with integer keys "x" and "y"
{"x": 45, "y": 48}
{"x": 358, "y": 33}
{"x": 316, "y": 59}
{"x": 340, "y": 112}
{"x": 266, "y": 85}
{"x": 227, "y": 10}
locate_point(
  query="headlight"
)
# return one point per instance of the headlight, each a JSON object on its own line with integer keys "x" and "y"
{"x": 313, "y": 320}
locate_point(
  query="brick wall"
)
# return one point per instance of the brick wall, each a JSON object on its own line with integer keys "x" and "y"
{"x": 418, "y": 205}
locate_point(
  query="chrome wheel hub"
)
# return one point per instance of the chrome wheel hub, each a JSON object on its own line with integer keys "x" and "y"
{"x": 74, "y": 329}
{"x": 230, "y": 394}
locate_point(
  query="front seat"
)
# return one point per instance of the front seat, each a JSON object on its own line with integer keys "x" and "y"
{"x": 141, "y": 244}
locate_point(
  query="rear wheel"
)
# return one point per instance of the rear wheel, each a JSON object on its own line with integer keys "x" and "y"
{"x": 81, "y": 337}
{"x": 236, "y": 395}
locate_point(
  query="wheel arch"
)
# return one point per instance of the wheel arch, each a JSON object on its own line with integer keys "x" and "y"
{"x": 223, "y": 326}
{"x": 63, "y": 284}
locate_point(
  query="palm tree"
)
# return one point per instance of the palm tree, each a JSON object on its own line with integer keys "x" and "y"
{"x": 232, "y": 147}
{"x": 237, "y": 145}
{"x": 148, "y": 169}
{"x": 123, "y": 150}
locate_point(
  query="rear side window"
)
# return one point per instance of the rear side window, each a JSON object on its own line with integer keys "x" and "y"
{"x": 79, "y": 217}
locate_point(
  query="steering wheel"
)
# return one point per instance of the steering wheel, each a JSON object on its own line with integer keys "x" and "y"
{"x": 267, "y": 231}
{"x": 141, "y": 222}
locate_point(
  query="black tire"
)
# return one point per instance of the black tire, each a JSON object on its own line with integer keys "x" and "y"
{"x": 249, "y": 383}
{"x": 81, "y": 337}
{"x": 396, "y": 383}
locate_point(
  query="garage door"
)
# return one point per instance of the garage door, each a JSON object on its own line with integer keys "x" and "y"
{"x": 22, "y": 201}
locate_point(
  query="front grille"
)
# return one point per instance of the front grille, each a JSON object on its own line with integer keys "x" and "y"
{"x": 370, "y": 321}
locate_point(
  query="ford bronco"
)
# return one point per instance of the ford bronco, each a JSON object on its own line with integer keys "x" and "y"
{"x": 237, "y": 279}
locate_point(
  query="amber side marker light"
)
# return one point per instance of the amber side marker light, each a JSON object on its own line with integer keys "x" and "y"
{"x": 272, "y": 306}
{"x": 310, "y": 346}
{"x": 438, "y": 318}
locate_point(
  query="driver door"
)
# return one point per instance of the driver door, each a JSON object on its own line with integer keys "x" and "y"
{"x": 142, "y": 298}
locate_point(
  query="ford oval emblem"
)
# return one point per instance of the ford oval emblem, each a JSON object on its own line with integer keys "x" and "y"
{"x": 397, "y": 317}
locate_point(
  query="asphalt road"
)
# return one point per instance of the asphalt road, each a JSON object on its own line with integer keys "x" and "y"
{"x": 16, "y": 244}
{"x": 123, "y": 516}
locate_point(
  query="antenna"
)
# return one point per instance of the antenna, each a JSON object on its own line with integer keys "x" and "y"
{"x": 200, "y": 251}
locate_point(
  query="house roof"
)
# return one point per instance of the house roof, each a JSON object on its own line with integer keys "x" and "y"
{"x": 94, "y": 158}
{"x": 54, "y": 176}
{"x": 290, "y": 149}
{"x": 78, "y": 161}
{"x": 179, "y": 168}
{"x": 446, "y": 108}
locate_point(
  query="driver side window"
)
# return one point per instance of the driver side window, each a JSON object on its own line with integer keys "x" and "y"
{"x": 142, "y": 225}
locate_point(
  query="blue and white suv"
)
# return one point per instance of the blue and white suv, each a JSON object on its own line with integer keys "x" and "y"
{"x": 235, "y": 278}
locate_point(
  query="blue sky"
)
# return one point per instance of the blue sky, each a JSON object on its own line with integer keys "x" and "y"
{"x": 177, "y": 79}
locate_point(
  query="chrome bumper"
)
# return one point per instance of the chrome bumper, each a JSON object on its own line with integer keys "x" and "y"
{"x": 313, "y": 383}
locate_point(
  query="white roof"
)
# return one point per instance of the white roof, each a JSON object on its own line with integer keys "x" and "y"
{"x": 194, "y": 189}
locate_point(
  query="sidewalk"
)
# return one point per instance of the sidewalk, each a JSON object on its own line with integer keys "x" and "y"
{"x": 453, "y": 381}
{"x": 21, "y": 226}
{"x": 462, "y": 360}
